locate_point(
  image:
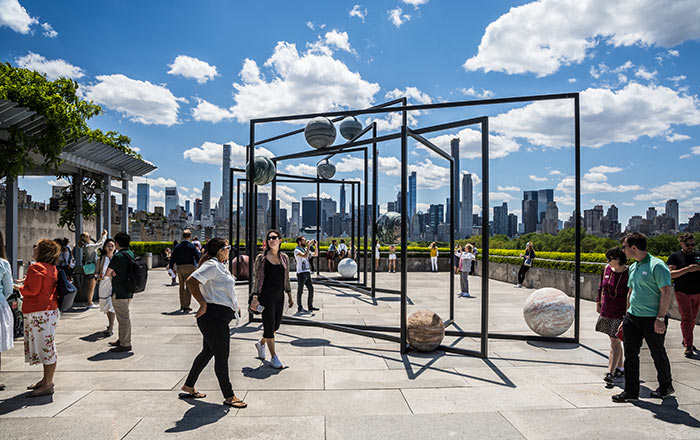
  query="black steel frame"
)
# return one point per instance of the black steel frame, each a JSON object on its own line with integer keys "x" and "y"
{"x": 380, "y": 332}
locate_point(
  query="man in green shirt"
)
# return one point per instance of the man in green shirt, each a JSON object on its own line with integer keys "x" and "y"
{"x": 648, "y": 298}
{"x": 118, "y": 271}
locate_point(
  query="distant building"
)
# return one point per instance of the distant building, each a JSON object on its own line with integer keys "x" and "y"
{"x": 592, "y": 220}
{"x": 206, "y": 203}
{"x": 672, "y": 212}
{"x": 544, "y": 196}
{"x": 500, "y": 220}
{"x": 529, "y": 211}
{"x": 142, "y": 194}
{"x": 550, "y": 223}
{"x": 436, "y": 217}
{"x": 651, "y": 213}
{"x": 224, "y": 209}
{"x": 512, "y": 225}
{"x": 308, "y": 212}
{"x": 171, "y": 200}
{"x": 467, "y": 205}
{"x": 412, "y": 189}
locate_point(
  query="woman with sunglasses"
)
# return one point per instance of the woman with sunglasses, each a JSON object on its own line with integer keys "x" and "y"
{"x": 213, "y": 287}
{"x": 271, "y": 281}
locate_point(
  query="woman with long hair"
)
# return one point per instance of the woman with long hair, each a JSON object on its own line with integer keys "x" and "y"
{"x": 89, "y": 250}
{"x": 433, "y": 257}
{"x": 7, "y": 321}
{"x": 213, "y": 287}
{"x": 41, "y": 314}
{"x": 104, "y": 288}
{"x": 528, "y": 258}
{"x": 271, "y": 281}
{"x": 456, "y": 257}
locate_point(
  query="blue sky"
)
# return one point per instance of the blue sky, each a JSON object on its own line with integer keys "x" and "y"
{"x": 182, "y": 78}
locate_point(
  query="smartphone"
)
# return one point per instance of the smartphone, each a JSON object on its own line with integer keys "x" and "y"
{"x": 260, "y": 308}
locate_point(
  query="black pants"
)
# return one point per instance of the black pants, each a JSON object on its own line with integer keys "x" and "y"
{"x": 304, "y": 279}
{"x": 522, "y": 272}
{"x": 311, "y": 264}
{"x": 272, "y": 315}
{"x": 635, "y": 329}
{"x": 214, "y": 327}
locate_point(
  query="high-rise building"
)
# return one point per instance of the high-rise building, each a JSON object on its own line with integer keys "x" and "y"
{"x": 206, "y": 199}
{"x": 412, "y": 188}
{"x": 197, "y": 209}
{"x": 454, "y": 150}
{"x": 612, "y": 214}
{"x": 550, "y": 223}
{"x": 328, "y": 209}
{"x": 592, "y": 219}
{"x": 142, "y": 195}
{"x": 308, "y": 212}
{"x": 467, "y": 205}
{"x": 171, "y": 200}
{"x": 397, "y": 206}
{"x": 224, "y": 209}
{"x": 672, "y": 211}
{"x": 391, "y": 207}
{"x": 436, "y": 217}
{"x": 500, "y": 220}
{"x": 296, "y": 213}
{"x": 529, "y": 211}
{"x": 342, "y": 201}
{"x": 512, "y": 225}
{"x": 187, "y": 207}
{"x": 283, "y": 221}
{"x": 544, "y": 196}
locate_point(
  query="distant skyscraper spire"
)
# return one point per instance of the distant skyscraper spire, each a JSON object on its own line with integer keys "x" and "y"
{"x": 225, "y": 211}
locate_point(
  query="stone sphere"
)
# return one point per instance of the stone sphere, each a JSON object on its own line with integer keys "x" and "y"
{"x": 347, "y": 268}
{"x": 264, "y": 170}
{"x": 242, "y": 273}
{"x": 320, "y": 132}
{"x": 389, "y": 228}
{"x": 350, "y": 127}
{"x": 425, "y": 330}
{"x": 548, "y": 311}
{"x": 325, "y": 170}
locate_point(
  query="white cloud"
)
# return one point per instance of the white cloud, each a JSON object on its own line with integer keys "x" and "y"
{"x": 338, "y": 39}
{"x": 470, "y": 144}
{"x": 412, "y": 93}
{"x": 191, "y": 67}
{"x": 306, "y": 82}
{"x": 301, "y": 169}
{"x": 49, "y": 30}
{"x": 607, "y": 116}
{"x": 415, "y": 3}
{"x": 155, "y": 182}
{"x": 555, "y": 173}
{"x": 58, "y": 182}
{"x": 629, "y": 204}
{"x": 572, "y": 80}
{"x": 53, "y": 69}
{"x": 324, "y": 195}
{"x": 670, "y": 190}
{"x": 397, "y": 17}
{"x": 483, "y": 94}
{"x": 310, "y": 25}
{"x": 212, "y": 153}
{"x": 676, "y": 137}
{"x": 206, "y": 111}
{"x": 595, "y": 181}
{"x": 643, "y": 73}
{"x": 508, "y": 188}
{"x": 141, "y": 101}
{"x": 14, "y": 16}
{"x": 538, "y": 179}
{"x": 678, "y": 78}
{"x": 539, "y": 37}
{"x": 350, "y": 164}
{"x": 500, "y": 196}
{"x": 358, "y": 12}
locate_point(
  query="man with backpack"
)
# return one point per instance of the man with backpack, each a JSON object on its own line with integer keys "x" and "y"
{"x": 118, "y": 271}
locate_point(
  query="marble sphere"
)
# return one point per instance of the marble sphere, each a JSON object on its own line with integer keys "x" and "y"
{"x": 243, "y": 273}
{"x": 347, "y": 268}
{"x": 264, "y": 170}
{"x": 325, "y": 170}
{"x": 425, "y": 330}
{"x": 389, "y": 228}
{"x": 320, "y": 132}
{"x": 549, "y": 311}
{"x": 350, "y": 127}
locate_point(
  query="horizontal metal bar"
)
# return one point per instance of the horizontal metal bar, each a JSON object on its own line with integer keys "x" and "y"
{"x": 510, "y": 336}
{"x": 291, "y": 320}
{"x": 429, "y": 145}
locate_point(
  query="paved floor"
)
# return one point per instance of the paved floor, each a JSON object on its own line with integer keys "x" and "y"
{"x": 339, "y": 385}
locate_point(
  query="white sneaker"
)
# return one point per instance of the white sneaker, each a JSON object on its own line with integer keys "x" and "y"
{"x": 466, "y": 295}
{"x": 519, "y": 286}
{"x": 276, "y": 363}
{"x": 261, "y": 350}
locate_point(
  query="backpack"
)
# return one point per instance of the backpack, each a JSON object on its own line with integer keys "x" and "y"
{"x": 138, "y": 275}
{"x": 65, "y": 291}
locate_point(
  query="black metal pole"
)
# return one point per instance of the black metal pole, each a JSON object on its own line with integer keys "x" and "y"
{"x": 404, "y": 235}
{"x": 238, "y": 226}
{"x": 250, "y": 240}
{"x": 485, "y": 232}
{"x": 273, "y": 208}
{"x": 452, "y": 236}
{"x": 577, "y": 265}
{"x": 364, "y": 223}
{"x": 352, "y": 219}
{"x": 375, "y": 161}
{"x": 318, "y": 225}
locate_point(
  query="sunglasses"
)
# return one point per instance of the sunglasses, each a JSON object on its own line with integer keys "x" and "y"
{"x": 227, "y": 247}
{"x": 273, "y": 237}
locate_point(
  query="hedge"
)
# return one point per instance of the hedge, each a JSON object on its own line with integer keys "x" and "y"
{"x": 154, "y": 247}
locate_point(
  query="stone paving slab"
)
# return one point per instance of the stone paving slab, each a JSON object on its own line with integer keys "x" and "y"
{"x": 256, "y": 377}
{"x": 388, "y": 379}
{"x": 14, "y": 403}
{"x": 101, "y": 380}
{"x": 64, "y": 428}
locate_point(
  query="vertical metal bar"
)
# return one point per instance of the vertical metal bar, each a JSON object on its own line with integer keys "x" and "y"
{"x": 107, "y": 204}
{"x": 98, "y": 215}
{"x": 229, "y": 203}
{"x": 352, "y": 219}
{"x": 452, "y": 236}
{"x": 318, "y": 224}
{"x": 238, "y": 226}
{"x": 359, "y": 230}
{"x": 375, "y": 161}
{"x": 364, "y": 223}
{"x": 404, "y": 235}
{"x": 250, "y": 239}
{"x": 125, "y": 206}
{"x": 577, "y": 270}
{"x": 11, "y": 224}
{"x": 78, "y": 221}
{"x": 485, "y": 232}
{"x": 273, "y": 206}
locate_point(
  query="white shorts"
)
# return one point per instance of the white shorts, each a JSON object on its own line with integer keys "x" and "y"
{"x": 392, "y": 256}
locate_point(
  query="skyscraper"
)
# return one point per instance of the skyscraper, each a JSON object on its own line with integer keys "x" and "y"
{"x": 206, "y": 202}
{"x": 198, "y": 209}
{"x": 454, "y": 149}
{"x": 467, "y": 205}
{"x": 308, "y": 212}
{"x": 171, "y": 200}
{"x": 550, "y": 223}
{"x": 529, "y": 211}
{"x": 342, "y": 200}
{"x": 672, "y": 211}
{"x": 224, "y": 210}
{"x": 398, "y": 202}
{"x": 436, "y": 217}
{"x": 544, "y": 196}
{"x": 296, "y": 212}
{"x": 500, "y": 219}
{"x": 412, "y": 187}
{"x": 142, "y": 195}
{"x": 187, "y": 206}
{"x": 651, "y": 213}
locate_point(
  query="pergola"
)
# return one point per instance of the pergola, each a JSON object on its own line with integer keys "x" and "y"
{"x": 83, "y": 157}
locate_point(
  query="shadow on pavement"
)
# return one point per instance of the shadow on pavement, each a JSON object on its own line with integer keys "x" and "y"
{"x": 109, "y": 355}
{"x": 94, "y": 337}
{"x": 262, "y": 372}
{"x": 22, "y": 401}
{"x": 669, "y": 412}
{"x": 201, "y": 414}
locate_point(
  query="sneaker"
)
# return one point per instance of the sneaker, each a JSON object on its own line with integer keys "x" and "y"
{"x": 619, "y": 372}
{"x": 466, "y": 295}
{"x": 313, "y": 309}
{"x": 662, "y": 394}
{"x": 120, "y": 349}
{"x": 301, "y": 310}
{"x": 609, "y": 378}
{"x": 519, "y": 286}
{"x": 276, "y": 363}
{"x": 261, "y": 350}
{"x": 624, "y": 397}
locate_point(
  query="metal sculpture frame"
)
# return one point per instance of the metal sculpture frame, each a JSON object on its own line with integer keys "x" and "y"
{"x": 380, "y": 332}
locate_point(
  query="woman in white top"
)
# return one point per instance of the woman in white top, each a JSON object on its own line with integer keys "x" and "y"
{"x": 465, "y": 263}
{"x": 376, "y": 256}
{"x": 90, "y": 264}
{"x": 104, "y": 289}
{"x": 6, "y": 317}
{"x": 213, "y": 287}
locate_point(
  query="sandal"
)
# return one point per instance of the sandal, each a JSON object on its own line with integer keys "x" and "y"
{"x": 37, "y": 393}
{"x": 34, "y": 386}
{"x": 237, "y": 403}
{"x": 192, "y": 395}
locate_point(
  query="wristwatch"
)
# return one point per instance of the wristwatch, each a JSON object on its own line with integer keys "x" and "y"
{"x": 660, "y": 318}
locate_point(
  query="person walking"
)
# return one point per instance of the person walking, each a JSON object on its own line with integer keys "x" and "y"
{"x": 610, "y": 305}
{"x": 214, "y": 288}
{"x": 118, "y": 272}
{"x": 7, "y": 321}
{"x": 302, "y": 253}
{"x": 649, "y": 297}
{"x": 392, "y": 258}
{"x": 185, "y": 257}
{"x": 456, "y": 258}
{"x": 89, "y": 267}
{"x": 528, "y": 258}
{"x": 685, "y": 273}
{"x": 465, "y": 262}
{"x": 377, "y": 256}
{"x": 330, "y": 256}
{"x": 433, "y": 257}
{"x": 271, "y": 281}
{"x": 41, "y": 314}
{"x": 104, "y": 287}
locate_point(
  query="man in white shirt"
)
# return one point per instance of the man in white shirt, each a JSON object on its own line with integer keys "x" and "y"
{"x": 302, "y": 254}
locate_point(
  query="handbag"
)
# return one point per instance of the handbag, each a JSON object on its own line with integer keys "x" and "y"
{"x": 619, "y": 335}
{"x": 89, "y": 268}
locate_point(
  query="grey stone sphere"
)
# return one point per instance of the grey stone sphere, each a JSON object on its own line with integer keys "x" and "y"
{"x": 264, "y": 170}
{"x": 389, "y": 228}
{"x": 320, "y": 132}
{"x": 347, "y": 268}
{"x": 325, "y": 170}
{"x": 350, "y": 127}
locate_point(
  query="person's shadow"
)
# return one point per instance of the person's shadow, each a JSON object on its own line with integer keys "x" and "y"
{"x": 201, "y": 414}
{"x": 262, "y": 372}
{"x": 110, "y": 355}
{"x": 94, "y": 337}
{"x": 22, "y": 401}
{"x": 669, "y": 412}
